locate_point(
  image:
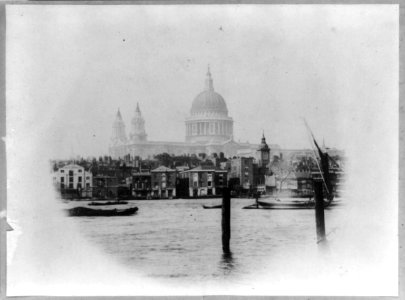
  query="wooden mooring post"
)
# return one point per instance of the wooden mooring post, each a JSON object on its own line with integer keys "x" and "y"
{"x": 319, "y": 212}
{"x": 226, "y": 220}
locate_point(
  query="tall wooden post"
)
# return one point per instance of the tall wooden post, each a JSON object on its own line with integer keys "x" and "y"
{"x": 226, "y": 220}
{"x": 257, "y": 199}
{"x": 319, "y": 211}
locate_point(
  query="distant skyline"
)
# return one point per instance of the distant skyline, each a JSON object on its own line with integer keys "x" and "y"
{"x": 69, "y": 69}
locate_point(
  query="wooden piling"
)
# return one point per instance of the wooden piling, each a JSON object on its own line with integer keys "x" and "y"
{"x": 319, "y": 211}
{"x": 257, "y": 199}
{"x": 226, "y": 220}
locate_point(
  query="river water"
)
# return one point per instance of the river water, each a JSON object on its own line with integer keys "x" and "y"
{"x": 178, "y": 239}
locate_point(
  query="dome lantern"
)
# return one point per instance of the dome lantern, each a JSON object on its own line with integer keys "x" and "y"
{"x": 209, "y": 85}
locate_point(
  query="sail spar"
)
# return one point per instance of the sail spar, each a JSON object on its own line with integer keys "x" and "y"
{"x": 324, "y": 167}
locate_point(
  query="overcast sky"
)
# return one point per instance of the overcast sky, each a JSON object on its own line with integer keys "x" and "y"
{"x": 69, "y": 68}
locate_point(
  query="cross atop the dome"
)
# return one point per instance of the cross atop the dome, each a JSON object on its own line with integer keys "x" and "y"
{"x": 208, "y": 81}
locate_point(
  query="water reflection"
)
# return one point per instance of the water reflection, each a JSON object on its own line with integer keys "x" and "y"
{"x": 227, "y": 263}
{"x": 323, "y": 248}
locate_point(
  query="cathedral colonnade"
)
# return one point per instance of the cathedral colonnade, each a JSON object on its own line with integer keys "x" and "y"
{"x": 212, "y": 127}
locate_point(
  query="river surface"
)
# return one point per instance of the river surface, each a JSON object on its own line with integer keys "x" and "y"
{"x": 172, "y": 239}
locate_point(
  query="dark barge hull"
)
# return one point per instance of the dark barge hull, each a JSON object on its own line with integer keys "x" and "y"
{"x": 89, "y": 212}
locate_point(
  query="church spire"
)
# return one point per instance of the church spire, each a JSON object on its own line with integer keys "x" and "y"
{"x": 209, "y": 86}
{"x": 118, "y": 130}
{"x": 138, "y": 133}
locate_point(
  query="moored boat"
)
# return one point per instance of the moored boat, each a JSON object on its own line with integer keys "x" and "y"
{"x": 287, "y": 204}
{"x": 90, "y": 212}
{"x": 212, "y": 206}
{"x": 107, "y": 203}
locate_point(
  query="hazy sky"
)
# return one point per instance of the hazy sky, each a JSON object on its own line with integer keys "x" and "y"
{"x": 69, "y": 68}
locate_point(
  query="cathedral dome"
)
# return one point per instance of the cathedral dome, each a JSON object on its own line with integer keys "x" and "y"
{"x": 209, "y": 101}
{"x": 209, "y": 122}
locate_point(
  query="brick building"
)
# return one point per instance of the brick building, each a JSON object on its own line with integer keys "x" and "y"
{"x": 163, "y": 182}
{"x": 206, "y": 181}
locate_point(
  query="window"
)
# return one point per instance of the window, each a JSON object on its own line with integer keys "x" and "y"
{"x": 80, "y": 170}
{"x": 87, "y": 177}
{"x": 87, "y": 185}
{"x": 71, "y": 185}
{"x": 221, "y": 178}
{"x": 80, "y": 178}
{"x": 70, "y": 173}
{"x": 62, "y": 171}
{"x": 62, "y": 179}
{"x": 62, "y": 185}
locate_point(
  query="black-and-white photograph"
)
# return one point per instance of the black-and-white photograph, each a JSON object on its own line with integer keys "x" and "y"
{"x": 234, "y": 149}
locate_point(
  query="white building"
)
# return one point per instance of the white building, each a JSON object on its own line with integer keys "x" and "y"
{"x": 74, "y": 177}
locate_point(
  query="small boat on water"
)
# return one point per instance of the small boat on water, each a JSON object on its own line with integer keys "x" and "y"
{"x": 212, "y": 206}
{"x": 107, "y": 203}
{"x": 90, "y": 212}
{"x": 288, "y": 204}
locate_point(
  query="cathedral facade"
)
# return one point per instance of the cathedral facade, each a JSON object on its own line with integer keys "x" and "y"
{"x": 209, "y": 129}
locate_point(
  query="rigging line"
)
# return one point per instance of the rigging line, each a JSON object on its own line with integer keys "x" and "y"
{"x": 319, "y": 168}
{"x": 316, "y": 160}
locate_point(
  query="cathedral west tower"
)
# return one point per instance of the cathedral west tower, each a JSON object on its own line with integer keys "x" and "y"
{"x": 118, "y": 135}
{"x": 138, "y": 133}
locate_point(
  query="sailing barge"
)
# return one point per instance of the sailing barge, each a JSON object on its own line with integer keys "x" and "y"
{"x": 322, "y": 173}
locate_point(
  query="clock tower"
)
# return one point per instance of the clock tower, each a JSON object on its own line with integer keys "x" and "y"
{"x": 264, "y": 155}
